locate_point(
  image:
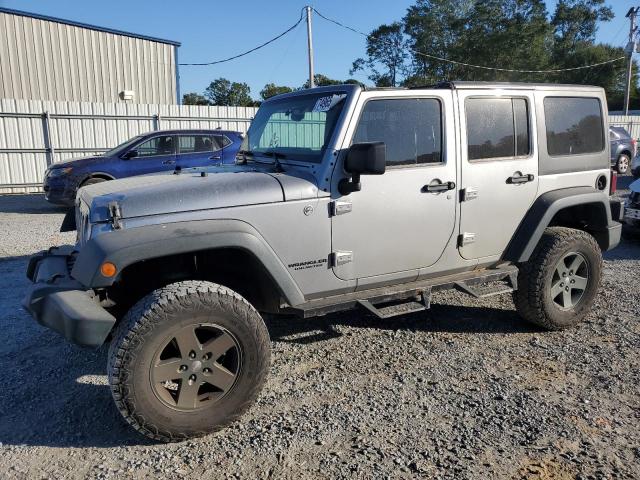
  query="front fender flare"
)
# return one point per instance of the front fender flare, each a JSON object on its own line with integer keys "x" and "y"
{"x": 129, "y": 246}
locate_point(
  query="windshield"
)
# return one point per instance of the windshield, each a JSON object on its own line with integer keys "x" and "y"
{"x": 120, "y": 148}
{"x": 296, "y": 128}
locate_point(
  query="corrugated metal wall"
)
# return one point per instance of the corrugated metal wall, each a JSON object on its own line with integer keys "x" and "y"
{"x": 47, "y": 60}
{"x": 34, "y": 134}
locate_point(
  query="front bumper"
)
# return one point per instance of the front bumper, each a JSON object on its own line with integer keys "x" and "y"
{"x": 63, "y": 304}
{"x": 59, "y": 191}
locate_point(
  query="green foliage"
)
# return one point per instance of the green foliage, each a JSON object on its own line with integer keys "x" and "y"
{"x": 321, "y": 80}
{"x": 509, "y": 34}
{"x": 386, "y": 49}
{"x": 223, "y": 92}
{"x": 194, "y": 99}
{"x": 271, "y": 90}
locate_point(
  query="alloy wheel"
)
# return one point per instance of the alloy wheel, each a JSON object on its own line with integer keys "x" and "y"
{"x": 569, "y": 281}
{"x": 196, "y": 366}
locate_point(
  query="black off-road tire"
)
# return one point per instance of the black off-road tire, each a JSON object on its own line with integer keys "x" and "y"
{"x": 146, "y": 326}
{"x": 533, "y": 299}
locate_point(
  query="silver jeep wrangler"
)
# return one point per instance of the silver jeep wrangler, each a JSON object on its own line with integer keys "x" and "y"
{"x": 340, "y": 198}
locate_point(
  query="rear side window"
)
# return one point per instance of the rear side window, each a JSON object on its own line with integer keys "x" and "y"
{"x": 497, "y": 128}
{"x": 196, "y": 143}
{"x": 574, "y": 125}
{"x": 410, "y": 128}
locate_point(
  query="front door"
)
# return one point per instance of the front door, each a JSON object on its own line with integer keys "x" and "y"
{"x": 499, "y": 169}
{"x": 402, "y": 220}
{"x": 154, "y": 155}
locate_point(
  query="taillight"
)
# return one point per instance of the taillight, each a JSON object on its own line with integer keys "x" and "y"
{"x": 613, "y": 184}
{"x": 634, "y": 142}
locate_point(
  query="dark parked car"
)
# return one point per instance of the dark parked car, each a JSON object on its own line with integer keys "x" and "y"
{"x": 157, "y": 151}
{"x": 623, "y": 149}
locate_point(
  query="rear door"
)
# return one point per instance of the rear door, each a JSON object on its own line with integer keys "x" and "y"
{"x": 198, "y": 151}
{"x": 499, "y": 168}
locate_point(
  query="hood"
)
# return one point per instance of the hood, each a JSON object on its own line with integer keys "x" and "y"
{"x": 189, "y": 191}
{"x": 74, "y": 162}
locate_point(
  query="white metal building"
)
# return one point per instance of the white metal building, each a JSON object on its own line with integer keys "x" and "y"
{"x": 46, "y": 58}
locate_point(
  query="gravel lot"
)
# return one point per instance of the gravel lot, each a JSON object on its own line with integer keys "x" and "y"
{"x": 465, "y": 390}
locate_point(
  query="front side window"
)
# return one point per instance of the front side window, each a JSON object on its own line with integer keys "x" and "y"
{"x": 574, "y": 125}
{"x": 410, "y": 128}
{"x": 497, "y": 128}
{"x": 156, "y": 146}
{"x": 297, "y": 127}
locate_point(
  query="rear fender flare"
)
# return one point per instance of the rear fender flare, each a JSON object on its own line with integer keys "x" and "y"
{"x": 541, "y": 213}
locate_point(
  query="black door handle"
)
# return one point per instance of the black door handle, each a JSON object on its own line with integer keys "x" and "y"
{"x": 169, "y": 162}
{"x": 517, "y": 178}
{"x": 439, "y": 187}
{"x": 215, "y": 157}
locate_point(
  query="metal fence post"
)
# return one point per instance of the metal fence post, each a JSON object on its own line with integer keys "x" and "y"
{"x": 156, "y": 119}
{"x": 47, "y": 139}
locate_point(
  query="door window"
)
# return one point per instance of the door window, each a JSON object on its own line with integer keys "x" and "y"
{"x": 196, "y": 143}
{"x": 497, "y": 128}
{"x": 574, "y": 125}
{"x": 156, "y": 146}
{"x": 410, "y": 128}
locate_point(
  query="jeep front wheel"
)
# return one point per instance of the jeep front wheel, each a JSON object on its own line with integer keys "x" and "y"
{"x": 558, "y": 285}
{"x": 187, "y": 360}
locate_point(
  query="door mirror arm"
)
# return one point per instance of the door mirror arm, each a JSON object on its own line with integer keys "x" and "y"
{"x": 130, "y": 154}
{"x": 367, "y": 158}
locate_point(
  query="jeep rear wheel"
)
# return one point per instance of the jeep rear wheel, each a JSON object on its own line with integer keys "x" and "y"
{"x": 187, "y": 360}
{"x": 558, "y": 285}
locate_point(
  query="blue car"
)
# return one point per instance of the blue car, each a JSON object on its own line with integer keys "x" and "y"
{"x": 158, "y": 151}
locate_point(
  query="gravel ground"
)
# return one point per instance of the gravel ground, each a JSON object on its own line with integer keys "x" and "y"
{"x": 465, "y": 390}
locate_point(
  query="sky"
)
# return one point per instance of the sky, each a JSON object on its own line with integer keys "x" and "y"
{"x": 212, "y": 30}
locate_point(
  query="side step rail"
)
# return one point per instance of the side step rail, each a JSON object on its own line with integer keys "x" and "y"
{"x": 482, "y": 290}
{"x": 415, "y": 296}
{"x": 403, "y": 308}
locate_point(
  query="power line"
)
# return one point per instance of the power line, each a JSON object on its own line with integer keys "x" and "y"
{"x": 483, "y": 67}
{"x": 215, "y": 62}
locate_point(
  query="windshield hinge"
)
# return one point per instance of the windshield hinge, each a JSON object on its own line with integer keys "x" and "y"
{"x": 115, "y": 215}
{"x": 340, "y": 207}
{"x": 341, "y": 258}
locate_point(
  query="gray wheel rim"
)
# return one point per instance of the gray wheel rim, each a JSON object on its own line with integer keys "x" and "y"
{"x": 623, "y": 164}
{"x": 569, "y": 281}
{"x": 195, "y": 367}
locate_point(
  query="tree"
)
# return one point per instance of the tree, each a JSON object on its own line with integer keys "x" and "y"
{"x": 576, "y": 21}
{"x": 194, "y": 99}
{"x": 386, "y": 48}
{"x": 271, "y": 90}
{"x": 223, "y": 92}
{"x": 321, "y": 80}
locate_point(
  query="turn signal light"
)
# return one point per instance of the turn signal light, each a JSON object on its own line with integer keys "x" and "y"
{"x": 108, "y": 269}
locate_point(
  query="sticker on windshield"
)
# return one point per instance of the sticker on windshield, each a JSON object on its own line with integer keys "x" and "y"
{"x": 324, "y": 104}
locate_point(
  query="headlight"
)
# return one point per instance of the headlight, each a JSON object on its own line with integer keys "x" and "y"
{"x": 59, "y": 172}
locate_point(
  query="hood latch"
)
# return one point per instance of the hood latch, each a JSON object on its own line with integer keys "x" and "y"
{"x": 115, "y": 215}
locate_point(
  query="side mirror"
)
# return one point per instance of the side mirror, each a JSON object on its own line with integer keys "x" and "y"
{"x": 130, "y": 154}
{"x": 367, "y": 158}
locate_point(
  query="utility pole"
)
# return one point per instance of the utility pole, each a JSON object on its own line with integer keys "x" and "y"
{"x": 631, "y": 47}
{"x": 310, "y": 46}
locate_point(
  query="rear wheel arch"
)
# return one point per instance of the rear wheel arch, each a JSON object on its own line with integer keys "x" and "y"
{"x": 580, "y": 208}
